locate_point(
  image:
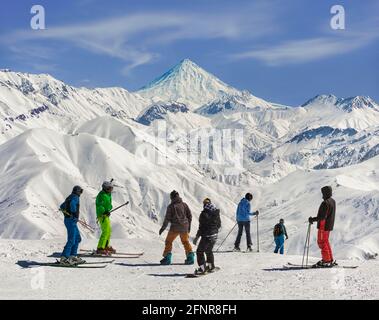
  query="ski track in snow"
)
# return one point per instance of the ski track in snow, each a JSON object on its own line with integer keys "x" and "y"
{"x": 242, "y": 276}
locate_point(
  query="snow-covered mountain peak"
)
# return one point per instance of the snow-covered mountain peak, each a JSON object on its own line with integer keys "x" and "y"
{"x": 324, "y": 99}
{"x": 345, "y": 104}
{"x": 187, "y": 83}
{"x": 357, "y": 102}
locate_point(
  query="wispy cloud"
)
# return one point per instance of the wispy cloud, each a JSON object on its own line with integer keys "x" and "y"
{"x": 328, "y": 44}
{"x": 306, "y": 50}
{"x": 134, "y": 38}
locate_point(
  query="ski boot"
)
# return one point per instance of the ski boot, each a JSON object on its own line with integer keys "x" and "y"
{"x": 237, "y": 249}
{"x": 66, "y": 261}
{"x": 201, "y": 270}
{"x": 77, "y": 260}
{"x": 102, "y": 252}
{"x": 323, "y": 264}
{"x": 167, "y": 259}
{"x": 249, "y": 249}
{"x": 110, "y": 250}
{"x": 190, "y": 258}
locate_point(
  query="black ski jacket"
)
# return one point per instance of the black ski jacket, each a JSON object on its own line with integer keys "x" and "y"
{"x": 209, "y": 223}
{"x": 327, "y": 210}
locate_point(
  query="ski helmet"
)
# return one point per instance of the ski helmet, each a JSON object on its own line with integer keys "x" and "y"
{"x": 249, "y": 196}
{"x": 107, "y": 186}
{"x": 77, "y": 190}
{"x": 281, "y": 221}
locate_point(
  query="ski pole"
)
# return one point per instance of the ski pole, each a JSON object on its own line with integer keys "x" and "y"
{"x": 85, "y": 225}
{"x": 226, "y": 237}
{"x": 306, "y": 244}
{"x": 309, "y": 238}
{"x": 119, "y": 207}
{"x": 257, "y": 233}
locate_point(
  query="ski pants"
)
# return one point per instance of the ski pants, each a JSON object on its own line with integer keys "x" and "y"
{"x": 241, "y": 225}
{"x": 171, "y": 236}
{"x": 324, "y": 245}
{"x": 279, "y": 242}
{"x": 73, "y": 237}
{"x": 106, "y": 231}
{"x": 206, "y": 248}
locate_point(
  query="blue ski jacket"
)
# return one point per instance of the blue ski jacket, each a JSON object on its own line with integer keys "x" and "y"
{"x": 71, "y": 205}
{"x": 243, "y": 211}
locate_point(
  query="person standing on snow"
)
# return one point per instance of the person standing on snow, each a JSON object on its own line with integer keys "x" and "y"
{"x": 70, "y": 208}
{"x": 103, "y": 208}
{"x": 180, "y": 217}
{"x": 279, "y": 233}
{"x": 209, "y": 225}
{"x": 325, "y": 223}
{"x": 243, "y": 220}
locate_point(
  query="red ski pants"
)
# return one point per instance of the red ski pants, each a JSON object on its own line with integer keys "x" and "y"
{"x": 324, "y": 245}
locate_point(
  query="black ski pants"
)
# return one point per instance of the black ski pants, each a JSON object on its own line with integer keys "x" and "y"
{"x": 241, "y": 226}
{"x": 205, "y": 247}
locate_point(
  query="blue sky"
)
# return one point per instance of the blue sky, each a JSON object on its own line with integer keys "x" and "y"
{"x": 282, "y": 51}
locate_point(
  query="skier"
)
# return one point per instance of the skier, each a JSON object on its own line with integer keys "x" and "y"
{"x": 325, "y": 224}
{"x": 103, "y": 208}
{"x": 279, "y": 233}
{"x": 180, "y": 217}
{"x": 243, "y": 219}
{"x": 209, "y": 224}
{"x": 70, "y": 208}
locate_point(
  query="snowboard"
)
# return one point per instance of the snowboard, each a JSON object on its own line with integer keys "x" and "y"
{"x": 193, "y": 275}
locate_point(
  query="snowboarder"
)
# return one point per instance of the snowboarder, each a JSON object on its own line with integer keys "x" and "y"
{"x": 103, "y": 208}
{"x": 325, "y": 224}
{"x": 279, "y": 233}
{"x": 70, "y": 209}
{"x": 180, "y": 217}
{"x": 209, "y": 224}
{"x": 243, "y": 220}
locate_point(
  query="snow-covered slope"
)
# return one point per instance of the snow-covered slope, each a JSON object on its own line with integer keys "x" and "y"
{"x": 242, "y": 276}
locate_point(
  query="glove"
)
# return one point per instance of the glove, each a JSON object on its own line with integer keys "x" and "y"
{"x": 310, "y": 220}
{"x": 257, "y": 213}
{"x": 161, "y": 231}
{"x": 195, "y": 240}
{"x": 286, "y": 237}
{"x": 107, "y": 213}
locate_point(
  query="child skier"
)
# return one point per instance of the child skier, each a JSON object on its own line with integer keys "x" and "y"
{"x": 70, "y": 208}
{"x": 103, "y": 208}
{"x": 180, "y": 217}
{"x": 209, "y": 225}
{"x": 243, "y": 219}
{"x": 325, "y": 224}
{"x": 279, "y": 233}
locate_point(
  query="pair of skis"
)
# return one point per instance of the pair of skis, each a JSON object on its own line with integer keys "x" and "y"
{"x": 118, "y": 255}
{"x": 86, "y": 265}
{"x": 293, "y": 266}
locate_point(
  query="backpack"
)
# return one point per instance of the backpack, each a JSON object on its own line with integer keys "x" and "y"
{"x": 278, "y": 230}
